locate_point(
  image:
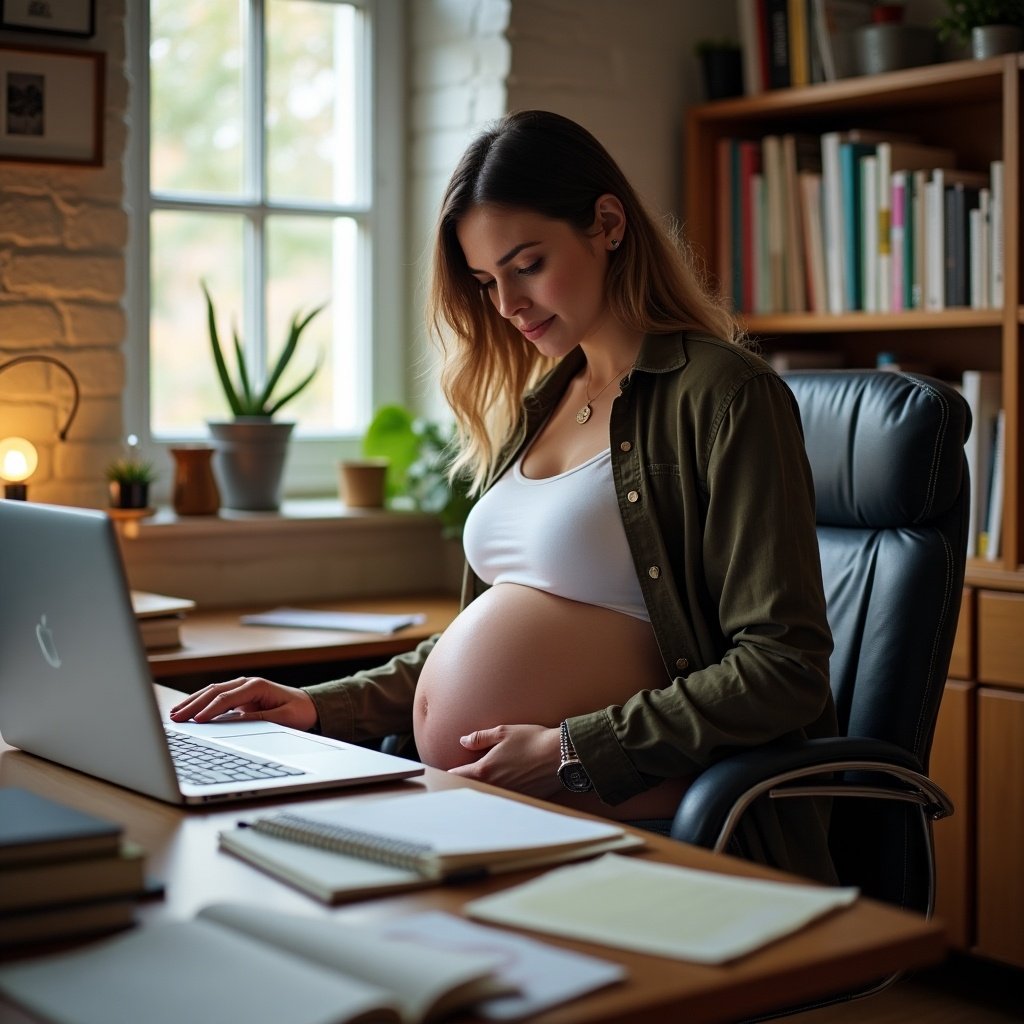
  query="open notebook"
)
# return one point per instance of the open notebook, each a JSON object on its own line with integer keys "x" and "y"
{"x": 351, "y": 849}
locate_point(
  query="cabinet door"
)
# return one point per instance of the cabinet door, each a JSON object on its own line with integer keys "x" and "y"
{"x": 1001, "y": 638}
{"x": 1001, "y": 825}
{"x": 952, "y": 767}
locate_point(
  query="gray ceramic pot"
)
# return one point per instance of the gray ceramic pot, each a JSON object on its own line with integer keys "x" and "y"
{"x": 993, "y": 40}
{"x": 249, "y": 461}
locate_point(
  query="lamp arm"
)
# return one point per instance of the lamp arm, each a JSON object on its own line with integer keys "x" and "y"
{"x": 62, "y": 366}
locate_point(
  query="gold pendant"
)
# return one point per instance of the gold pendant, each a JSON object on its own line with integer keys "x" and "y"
{"x": 583, "y": 415}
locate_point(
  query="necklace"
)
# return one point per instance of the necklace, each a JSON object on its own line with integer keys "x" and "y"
{"x": 583, "y": 414}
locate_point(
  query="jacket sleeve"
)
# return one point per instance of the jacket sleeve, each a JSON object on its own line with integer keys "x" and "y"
{"x": 373, "y": 703}
{"x": 754, "y": 659}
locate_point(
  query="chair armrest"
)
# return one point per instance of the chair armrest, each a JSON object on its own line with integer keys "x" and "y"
{"x": 707, "y": 804}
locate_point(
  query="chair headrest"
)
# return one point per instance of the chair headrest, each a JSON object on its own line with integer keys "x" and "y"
{"x": 886, "y": 448}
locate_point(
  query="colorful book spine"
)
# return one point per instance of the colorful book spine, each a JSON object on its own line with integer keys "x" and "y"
{"x": 850, "y": 190}
{"x": 898, "y": 241}
{"x": 868, "y": 221}
{"x": 883, "y": 291}
{"x": 996, "y": 229}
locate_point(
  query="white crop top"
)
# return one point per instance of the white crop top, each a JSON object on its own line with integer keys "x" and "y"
{"x": 560, "y": 534}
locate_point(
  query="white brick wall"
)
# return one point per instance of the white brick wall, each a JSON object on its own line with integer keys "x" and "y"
{"x": 623, "y": 68}
{"x": 63, "y": 232}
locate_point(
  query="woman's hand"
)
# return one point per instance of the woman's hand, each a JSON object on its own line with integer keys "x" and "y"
{"x": 249, "y": 698}
{"x": 519, "y": 757}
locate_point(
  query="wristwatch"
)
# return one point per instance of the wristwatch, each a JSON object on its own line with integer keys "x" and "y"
{"x": 571, "y": 772}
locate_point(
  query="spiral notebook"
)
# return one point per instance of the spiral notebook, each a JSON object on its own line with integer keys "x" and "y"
{"x": 353, "y": 849}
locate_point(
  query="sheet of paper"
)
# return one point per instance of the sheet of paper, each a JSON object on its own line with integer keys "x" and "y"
{"x": 355, "y": 622}
{"x": 544, "y": 975}
{"x": 660, "y": 908}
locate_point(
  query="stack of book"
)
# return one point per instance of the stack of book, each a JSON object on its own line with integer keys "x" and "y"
{"x": 160, "y": 618}
{"x": 63, "y": 873}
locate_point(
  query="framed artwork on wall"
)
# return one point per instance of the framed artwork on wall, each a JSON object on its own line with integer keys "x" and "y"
{"x": 51, "y": 106}
{"x": 59, "y": 17}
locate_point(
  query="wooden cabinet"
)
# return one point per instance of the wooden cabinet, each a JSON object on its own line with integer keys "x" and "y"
{"x": 1000, "y": 874}
{"x": 1001, "y": 638}
{"x": 974, "y": 108}
{"x": 978, "y": 758}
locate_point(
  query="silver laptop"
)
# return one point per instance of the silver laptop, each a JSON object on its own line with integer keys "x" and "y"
{"x": 75, "y": 685}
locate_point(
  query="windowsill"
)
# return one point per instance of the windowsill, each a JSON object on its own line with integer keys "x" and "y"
{"x": 309, "y": 550}
{"x": 294, "y": 517}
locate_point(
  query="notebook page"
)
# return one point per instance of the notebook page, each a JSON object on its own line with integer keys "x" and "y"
{"x": 660, "y": 908}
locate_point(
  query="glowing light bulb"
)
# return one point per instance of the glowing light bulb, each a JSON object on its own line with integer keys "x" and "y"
{"x": 18, "y": 461}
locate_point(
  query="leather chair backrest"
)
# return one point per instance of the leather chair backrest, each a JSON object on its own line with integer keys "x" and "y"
{"x": 887, "y": 455}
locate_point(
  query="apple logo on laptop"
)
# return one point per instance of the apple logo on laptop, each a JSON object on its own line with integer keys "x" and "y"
{"x": 45, "y": 637}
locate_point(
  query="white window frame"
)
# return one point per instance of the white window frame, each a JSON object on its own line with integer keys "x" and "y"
{"x": 312, "y": 463}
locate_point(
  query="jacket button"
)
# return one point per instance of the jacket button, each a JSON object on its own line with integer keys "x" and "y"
{"x": 682, "y": 663}
{"x": 654, "y": 572}
{"x": 625, "y": 446}
{"x": 633, "y": 496}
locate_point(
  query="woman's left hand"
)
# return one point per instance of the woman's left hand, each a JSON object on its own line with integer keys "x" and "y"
{"x": 520, "y": 757}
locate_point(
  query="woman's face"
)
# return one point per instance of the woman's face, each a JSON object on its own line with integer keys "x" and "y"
{"x": 542, "y": 275}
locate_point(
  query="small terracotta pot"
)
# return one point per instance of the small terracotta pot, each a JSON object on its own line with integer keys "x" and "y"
{"x": 363, "y": 482}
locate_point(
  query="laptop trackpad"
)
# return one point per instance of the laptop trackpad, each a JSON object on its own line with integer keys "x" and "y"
{"x": 283, "y": 746}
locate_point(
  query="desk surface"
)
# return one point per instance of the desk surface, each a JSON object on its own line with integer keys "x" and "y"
{"x": 840, "y": 952}
{"x": 216, "y": 642}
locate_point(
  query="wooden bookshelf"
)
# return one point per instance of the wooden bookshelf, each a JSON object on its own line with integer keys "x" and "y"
{"x": 974, "y": 108}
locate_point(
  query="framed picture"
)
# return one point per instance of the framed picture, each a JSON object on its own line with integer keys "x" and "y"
{"x": 51, "y": 106}
{"x": 61, "y": 17}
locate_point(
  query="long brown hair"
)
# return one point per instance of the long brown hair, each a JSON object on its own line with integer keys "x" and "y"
{"x": 547, "y": 164}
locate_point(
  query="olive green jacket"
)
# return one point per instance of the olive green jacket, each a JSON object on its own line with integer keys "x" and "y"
{"x": 717, "y": 503}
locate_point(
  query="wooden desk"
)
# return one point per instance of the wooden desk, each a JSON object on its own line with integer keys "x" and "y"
{"x": 837, "y": 953}
{"x": 215, "y": 644}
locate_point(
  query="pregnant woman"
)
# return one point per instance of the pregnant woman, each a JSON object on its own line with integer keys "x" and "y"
{"x": 643, "y": 592}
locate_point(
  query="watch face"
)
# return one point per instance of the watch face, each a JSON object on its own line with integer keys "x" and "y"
{"x": 574, "y": 777}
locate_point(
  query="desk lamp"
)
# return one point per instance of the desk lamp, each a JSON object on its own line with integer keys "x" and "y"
{"x": 18, "y": 457}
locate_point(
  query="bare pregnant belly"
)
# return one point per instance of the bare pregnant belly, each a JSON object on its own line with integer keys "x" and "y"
{"x": 517, "y": 655}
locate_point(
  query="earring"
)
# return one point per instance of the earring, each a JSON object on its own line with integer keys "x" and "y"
{"x": 614, "y": 243}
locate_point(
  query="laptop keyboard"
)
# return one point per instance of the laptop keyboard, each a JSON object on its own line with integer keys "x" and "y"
{"x": 204, "y": 765}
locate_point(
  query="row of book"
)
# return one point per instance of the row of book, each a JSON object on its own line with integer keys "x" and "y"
{"x": 856, "y": 220}
{"x": 63, "y": 873}
{"x": 983, "y": 391}
{"x": 797, "y": 42}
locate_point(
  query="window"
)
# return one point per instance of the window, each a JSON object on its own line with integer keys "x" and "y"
{"x": 263, "y": 121}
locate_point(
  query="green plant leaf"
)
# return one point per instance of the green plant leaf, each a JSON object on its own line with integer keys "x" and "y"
{"x": 305, "y": 382}
{"x": 391, "y": 436}
{"x": 295, "y": 330}
{"x": 131, "y": 471}
{"x": 218, "y": 356}
{"x": 243, "y": 376}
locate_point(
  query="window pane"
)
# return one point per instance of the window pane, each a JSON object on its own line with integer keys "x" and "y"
{"x": 312, "y": 71}
{"x": 188, "y": 248}
{"x": 311, "y": 260}
{"x": 196, "y": 65}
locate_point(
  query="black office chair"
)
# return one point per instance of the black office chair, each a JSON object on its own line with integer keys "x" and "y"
{"x": 887, "y": 456}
